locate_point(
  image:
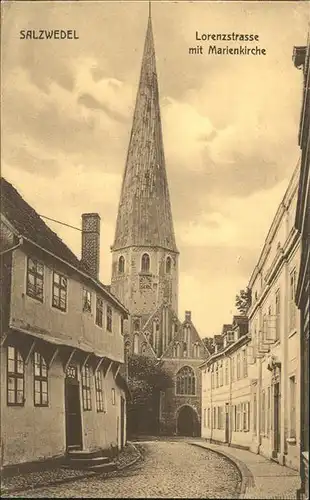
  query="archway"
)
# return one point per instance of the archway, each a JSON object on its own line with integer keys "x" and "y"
{"x": 187, "y": 422}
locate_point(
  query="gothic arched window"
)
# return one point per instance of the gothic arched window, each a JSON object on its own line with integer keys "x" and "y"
{"x": 185, "y": 382}
{"x": 168, "y": 265}
{"x": 127, "y": 346}
{"x": 136, "y": 325}
{"x": 196, "y": 350}
{"x": 145, "y": 263}
{"x": 176, "y": 350}
{"x": 121, "y": 265}
{"x": 136, "y": 344}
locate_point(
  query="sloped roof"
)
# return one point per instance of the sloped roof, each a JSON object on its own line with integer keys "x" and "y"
{"x": 29, "y": 225}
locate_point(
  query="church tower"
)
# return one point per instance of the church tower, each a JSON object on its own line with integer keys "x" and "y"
{"x": 144, "y": 252}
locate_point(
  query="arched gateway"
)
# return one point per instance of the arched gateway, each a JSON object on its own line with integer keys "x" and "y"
{"x": 187, "y": 422}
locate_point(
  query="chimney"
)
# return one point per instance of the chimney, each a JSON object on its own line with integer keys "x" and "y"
{"x": 188, "y": 315}
{"x": 91, "y": 243}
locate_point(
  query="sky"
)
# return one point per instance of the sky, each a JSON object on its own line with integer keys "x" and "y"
{"x": 230, "y": 127}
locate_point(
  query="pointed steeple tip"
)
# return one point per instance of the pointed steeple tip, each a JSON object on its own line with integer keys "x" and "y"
{"x": 150, "y": 9}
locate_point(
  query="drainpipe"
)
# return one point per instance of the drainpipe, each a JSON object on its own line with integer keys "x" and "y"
{"x": 211, "y": 416}
{"x": 12, "y": 248}
{"x": 259, "y": 387}
{"x": 230, "y": 403}
{"x": 283, "y": 367}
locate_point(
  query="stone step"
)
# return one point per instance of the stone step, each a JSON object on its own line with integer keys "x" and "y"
{"x": 109, "y": 467}
{"x": 103, "y": 467}
{"x": 81, "y": 454}
{"x": 83, "y": 461}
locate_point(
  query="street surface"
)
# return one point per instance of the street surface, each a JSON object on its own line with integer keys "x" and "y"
{"x": 169, "y": 469}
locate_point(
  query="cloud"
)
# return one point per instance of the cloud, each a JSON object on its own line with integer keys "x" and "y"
{"x": 231, "y": 222}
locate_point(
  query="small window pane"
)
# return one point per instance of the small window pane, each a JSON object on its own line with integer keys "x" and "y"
{"x": 20, "y": 397}
{"x": 11, "y": 365}
{"x": 37, "y": 398}
{"x": 11, "y": 383}
{"x": 20, "y": 384}
{"x": 11, "y": 352}
{"x": 11, "y": 396}
{"x": 40, "y": 269}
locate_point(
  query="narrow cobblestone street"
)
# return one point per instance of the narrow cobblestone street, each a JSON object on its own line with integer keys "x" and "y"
{"x": 169, "y": 469}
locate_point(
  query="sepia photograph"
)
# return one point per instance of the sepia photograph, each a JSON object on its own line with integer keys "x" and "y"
{"x": 154, "y": 253}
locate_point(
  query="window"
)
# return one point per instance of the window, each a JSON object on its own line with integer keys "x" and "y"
{"x": 204, "y": 417}
{"x": 220, "y": 417}
{"x": 186, "y": 381}
{"x": 292, "y": 300}
{"x": 127, "y": 348}
{"x": 99, "y": 311}
{"x": 99, "y": 391}
{"x": 209, "y": 418}
{"x": 86, "y": 300}
{"x": 121, "y": 265}
{"x": 113, "y": 396}
{"x": 185, "y": 352}
{"x": 145, "y": 263}
{"x": 263, "y": 413}
{"x": 249, "y": 415}
{"x": 143, "y": 348}
{"x": 168, "y": 265}
{"x": 277, "y": 314}
{"x": 238, "y": 418}
{"x": 254, "y": 413}
{"x": 234, "y": 417}
{"x": 244, "y": 417}
{"x": 109, "y": 319}
{"x": 15, "y": 377}
{"x": 40, "y": 380}
{"x": 196, "y": 350}
{"x": 268, "y": 410}
{"x": 122, "y": 324}
{"x": 292, "y": 384}
{"x": 221, "y": 375}
{"x": 238, "y": 366}
{"x": 230, "y": 336}
{"x": 232, "y": 369}
{"x": 216, "y": 376}
{"x": 136, "y": 325}
{"x": 245, "y": 363}
{"x": 86, "y": 392}
{"x": 226, "y": 373}
{"x": 136, "y": 344}
{"x": 59, "y": 299}
{"x": 35, "y": 279}
{"x": 214, "y": 418}
{"x": 212, "y": 380}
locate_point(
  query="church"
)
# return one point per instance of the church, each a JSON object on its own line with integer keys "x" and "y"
{"x": 145, "y": 262}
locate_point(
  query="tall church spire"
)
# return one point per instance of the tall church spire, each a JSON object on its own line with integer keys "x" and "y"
{"x": 144, "y": 214}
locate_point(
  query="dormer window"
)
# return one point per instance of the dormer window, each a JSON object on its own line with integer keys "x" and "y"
{"x": 145, "y": 263}
{"x": 230, "y": 336}
{"x": 121, "y": 265}
{"x": 168, "y": 265}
